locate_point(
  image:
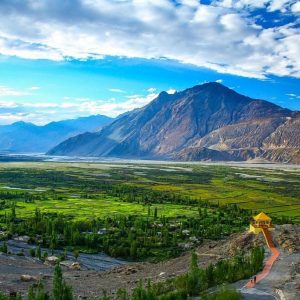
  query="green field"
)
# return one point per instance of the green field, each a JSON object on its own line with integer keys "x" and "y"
{"x": 100, "y": 207}
{"x": 139, "y": 211}
{"x": 85, "y": 190}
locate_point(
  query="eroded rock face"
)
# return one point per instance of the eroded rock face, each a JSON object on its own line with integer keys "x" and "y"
{"x": 273, "y": 139}
{"x": 288, "y": 238}
{"x": 206, "y": 122}
{"x": 241, "y": 243}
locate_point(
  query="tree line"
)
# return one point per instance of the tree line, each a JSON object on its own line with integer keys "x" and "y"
{"x": 131, "y": 237}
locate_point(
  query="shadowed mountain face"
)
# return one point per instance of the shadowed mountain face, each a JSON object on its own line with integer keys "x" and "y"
{"x": 208, "y": 121}
{"x": 27, "y": 137}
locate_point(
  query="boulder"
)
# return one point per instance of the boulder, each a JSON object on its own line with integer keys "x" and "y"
{"x": 28, "y": 278}
{"x": 23, "y": 238}
{"x": 71, "y": 265}
{"x": 75, "y": 266}
{"x": 52, "y": 260}
{"x": 66, "y": 263}
{"x": 127, "y": 270}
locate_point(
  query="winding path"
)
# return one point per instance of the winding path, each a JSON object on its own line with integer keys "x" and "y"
{"x": 270, "y": 261}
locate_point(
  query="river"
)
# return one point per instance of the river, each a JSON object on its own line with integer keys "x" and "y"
{"x": 98, "y": 262}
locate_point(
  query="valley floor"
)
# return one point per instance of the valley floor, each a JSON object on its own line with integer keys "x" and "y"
{"x": 272, "y": 188}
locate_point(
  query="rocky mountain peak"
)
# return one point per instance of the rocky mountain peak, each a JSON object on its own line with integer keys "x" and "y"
{"x": 202, "y": 122}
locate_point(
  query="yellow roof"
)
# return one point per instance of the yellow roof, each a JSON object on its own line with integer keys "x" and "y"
{"x": 262, "y": 217}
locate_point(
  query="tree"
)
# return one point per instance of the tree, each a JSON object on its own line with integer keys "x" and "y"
{"x": 194, "y": 262}
{"x": 32, "y": 252}
{"x": 193, "y": 278}
{"x": 133, "y": 250}
{"x": 140, "y": 293}
{"x": 37, "y": 293}
{"x": 210, "y": 275}
{"x": 104, "y": 296}
{"x": 45, "y": 255}
{"x": 57, "y": 283}
{"x": 60, "y": 291}
{"x": 13, "y": 212}
{"x": 38, "y": 253}
{"x": 122, "y": 295}
{"x": 76, "y": 254}
{"x": 155, "y": 212}
{"x": 4, "y": 248}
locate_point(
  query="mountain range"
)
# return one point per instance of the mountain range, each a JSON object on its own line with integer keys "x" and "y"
{"x": 205, "y": 122}
{"x": 28, "y": 137}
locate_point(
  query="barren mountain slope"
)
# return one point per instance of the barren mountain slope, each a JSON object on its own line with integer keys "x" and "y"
{"x": 199, "y": 123}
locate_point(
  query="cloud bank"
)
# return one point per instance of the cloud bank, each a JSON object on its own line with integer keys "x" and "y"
{"x": 252, "y": 38}
{"x": 69, "y": 108}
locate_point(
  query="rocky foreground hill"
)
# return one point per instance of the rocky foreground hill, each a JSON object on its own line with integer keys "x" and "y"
{"x": 283, "y": 279}
{"x": 206, "y": 122}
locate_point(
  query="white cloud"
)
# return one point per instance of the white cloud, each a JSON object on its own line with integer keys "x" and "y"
{"x": 8, "y": 92}
{"x": 113, "y": 108}
{"x": 8, "y": 104}
{"x": 133, "y": 96}
{"x": 281, "y": 5}
{"x": 34, "y": 88}
{"x": 45, "y": 112}
{"x": 14, "y": 46}
{"x": 292, "y": 95}
{"x": 117, "y": 91}
{"x": 151, "y": 90}
{"x": 171, "y": 91}
{"x": 270, "y": 5}
{"x": 296, "y": 7}
{"x": 219, "y": 80}
{"x": 8, "y": 118}
{"x": 40, "y": 105}
{"x": 222, "y": 36}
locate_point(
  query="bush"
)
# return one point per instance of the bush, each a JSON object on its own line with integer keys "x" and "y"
{"x": 224, "y": 293}
{"x": 4, "y": 248}
{"x": 32, "y": 252}
{"x": 37, "y": 292}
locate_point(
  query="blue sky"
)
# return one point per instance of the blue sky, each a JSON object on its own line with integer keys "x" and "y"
{"x": 86, "y": 57}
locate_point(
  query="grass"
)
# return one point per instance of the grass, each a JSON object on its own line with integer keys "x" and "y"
{"x": 81, "y": 209}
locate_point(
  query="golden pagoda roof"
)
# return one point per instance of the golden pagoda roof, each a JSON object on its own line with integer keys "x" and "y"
{"x": 262, "y": 217}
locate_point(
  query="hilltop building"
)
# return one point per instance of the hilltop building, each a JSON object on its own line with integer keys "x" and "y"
{"x": 261, "y": 222}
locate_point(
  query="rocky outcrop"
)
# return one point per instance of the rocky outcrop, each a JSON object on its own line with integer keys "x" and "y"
{"x": 275, "y": 139}
{"x": 288, "y": 237}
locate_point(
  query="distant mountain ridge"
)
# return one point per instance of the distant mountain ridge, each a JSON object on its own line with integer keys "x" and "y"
{"x": 205, "y": 122}
{"x": 28, "y": 137}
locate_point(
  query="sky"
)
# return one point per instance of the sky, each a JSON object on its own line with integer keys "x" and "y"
{"x": 72, "y": 58}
